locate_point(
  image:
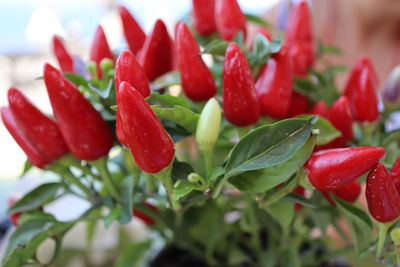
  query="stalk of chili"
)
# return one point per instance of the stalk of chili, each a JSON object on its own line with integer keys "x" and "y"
{"x": 300, "y": 39}
{"x": 382, "y": 197}
{"x": 129, "y": 70}
{"x": 64, "y": 58}
{"x": 151, "y": 146}
{"x": 85, "y": 132}
{"x": 320, "y": 108}
{"x": 274, "y": 86}
{"x": 340, "y": 117}
{"x": 240, "y": 103}
{"x": 41, "y": 131}
{"x": 229, "y": 19}
{"x": 299, "y": 104}
{"x": 156, "y": 55}
{"x": 331, "y": 169}
{"x": 203, "y": 15}
{"x": 134, "y": 34}
{"x": 100, "y": 49}
{"x": 33, "y": 155}
{"x": 349, "y": 193}
{"x": 197, "y": 81}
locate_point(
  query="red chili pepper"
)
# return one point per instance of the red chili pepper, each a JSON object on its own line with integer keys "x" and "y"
{"x": 299, "y": 104}
{"x": 331, "y": 169}
{"x": 134, "y": 34}
{"x": 85, "y": 132}
{"x": 361, "y": 91}
{"x": 129, "y": 70}
{"x": 320, "y": 108}
{"x": 274, "y": 86}
{"x": 157, "y": 52}
{"x": 31, "y": 152}
{"x": 147, "y": 219}
{"x": 395, "y": 173}
{"x": 300, "y": 191}
{"x": 382, "y": 197}
{"x": 229, "y": 19}
{"x": 203, "y": 15}
{"x": 150, "y": 144}
{"x": 264, "y": 32}
{"x": 349, "y": 193}
{"x": 300, "y": 39}
{"x": 340, "y": 117}
{"x": 64, "y": 58}
{"x": 100, "y": 49}
{"x": 41, "y": 131}
{"x": 197, "y": 80}
{"x": 240, "y": 103}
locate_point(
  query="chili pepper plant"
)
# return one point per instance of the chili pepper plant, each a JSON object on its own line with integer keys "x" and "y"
{"x": 228, "y": 143}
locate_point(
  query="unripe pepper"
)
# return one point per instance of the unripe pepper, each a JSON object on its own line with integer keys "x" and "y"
{"x": 299, "y": 38}
{"x": 134, "y": 34}
{"x": 86, "y": 133}
{"x": 100, "y": 49}
{"x": 150, "y": 144}
{"x": 31, "y": 152}
{"x": 203, "y": 16}
{"x": 129, "y": 70}
{"x": 156, "y": 54}
{"x": 382, "y": 197}
{"x": 229, "y": 19}
{"x": 240, "y": 103}
{"x": 320, "y": 108}
{"x": 274, "y": 85}
{"x": 349, "y": 193}
{"x": 340, "y": 117}
{"x": 331, "y": 169}
{"x": 64, "y": 58}
{"x": 299, "y": 104}
{"x": 41, "y": 131}
{"x": 197, "y": 81}
{"x": 208, "y": 125}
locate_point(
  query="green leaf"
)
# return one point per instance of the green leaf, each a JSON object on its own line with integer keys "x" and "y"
{"x": 265, "y": 179}
{"x": 77, "y": 79}
{"x": 36, "y": 198}
{"x": 166, "y": 100}
{"x": 103, "y": 93}
{"x": 268, "y": 145}
{"x": 330, "y": 49}
{"x": 359, "y": 222}
{"x": 182, "y": 188}
{"x": 180, "y": 115}
{"x": 390, "y": 137}
{"x": 166, "y": 80}
{"x": 279, "y": 192}
{"x": 257, "y": 20}
{"x": 180, "y": 170}
{"x": 282, "y": 211}
{"x": 133, "y": 255}
{"x": 27, "y": 167}
{"x": 216, "y": 47}
{"x": 327, "y": 132}
{"x": 114, "y": 214}
{"x": 126, "y": 189}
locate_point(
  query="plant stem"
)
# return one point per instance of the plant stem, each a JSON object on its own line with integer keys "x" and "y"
{"x": 69, "y": 160}
{"x": 151, "y": 186}
{"x": 101, "y": 166}
{"x": 220, "y": 185}
{"x": 207, "y": 161}
{"x": 382, "y": 231}
{"x": 165, "y": 177}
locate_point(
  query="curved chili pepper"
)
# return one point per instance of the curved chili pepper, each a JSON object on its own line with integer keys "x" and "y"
{"x": 274, "y": 86}
{"x": 128, "y": 70}
{"x": 382, "y": 197}
{"x": 151, "y": 146}
{"x": 240, "y": 103}
{"x": 340, "y": 117}
{"x": 203, "y": 16}
{"x": 331, "y": 169}
{"x": 197, "y": 81}
{"x": 156, "y": 54}
{"x": 299, "y": 104}
{"x": 85, "y": 132}
{"x": 31, "y": 152}
{"x": 100, "y": 49}
{"x": 64, "y": 58}
{"x": 147, "y": 219}
{"x": 300, "y": 39}
{"x": 320, "y": 108}
{"x": 41, "y": 131}
{"x": 134, "y": 34}
{"x": 229, "y": 19}
{"x": 349, "y": 193}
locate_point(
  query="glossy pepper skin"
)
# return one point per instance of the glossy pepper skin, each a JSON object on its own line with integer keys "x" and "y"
{"x": 331, "y": 169}
{"x": 382, "y": 197}
{"x": 203, "y": 15}
{"x": 150, "y": 144}
{"x": 134, "y": 34}
{"x": 299, "y": 104}
{"x": 349, "y": 193}
{"x": 64, "y": 58}
{"x": 240, "y": 103}
{"x": 274, "y": 86}
{"x": 320, "y": 108}
{"x": 100, "y": 49}
{"x": 340, "y": 117}
{"x": 395, "y": 174}
{"x": 197, "y": 81}
{"x": 31, "y": 152}
{"x": 41, "y": 131}
{"x": 229, "y": 19}
{"x": 147, "y": 219}
{"x": 156, "y": 56}
{"x": 85, "y": 132}
{"x": 128, "y": 70}
{"x": 299, "y": 38}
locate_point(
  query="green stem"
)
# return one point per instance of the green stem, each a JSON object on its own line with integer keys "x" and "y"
{"x": 69, "y": 160}
{"x": 207, "y": 161}
{"x": 382, "y": 231}
{"x": 151, "y": 186}
{"x": 101, "y": 166}
{"x": 220, "y": 185}
{"x": 165, "y": 178}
